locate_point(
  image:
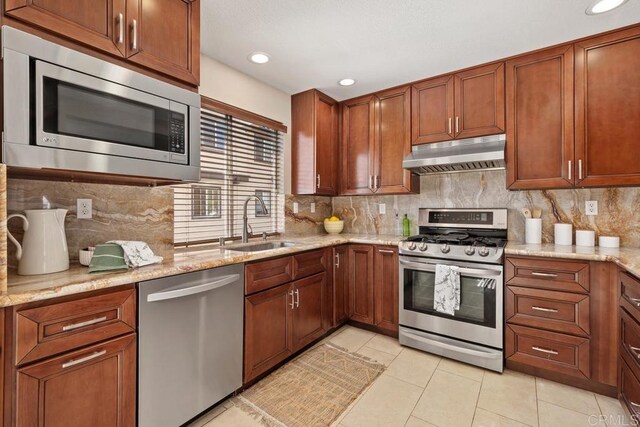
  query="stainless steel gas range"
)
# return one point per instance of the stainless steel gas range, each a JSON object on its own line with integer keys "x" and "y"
{"x": 472, "y": 241}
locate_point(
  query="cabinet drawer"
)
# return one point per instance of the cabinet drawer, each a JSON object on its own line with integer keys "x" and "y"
{"x": 548, "y": 274}
{"x": 51, "y": 329}
{"x": 552, "y": 351}
{"x": 630, "y": 294}
{"x": 629, "y": 389}
{"x": 555, "y": 311}
{"x": 630, "y": 340}
{"x": 263, "y": 275}
{"x": 308, "y": 263}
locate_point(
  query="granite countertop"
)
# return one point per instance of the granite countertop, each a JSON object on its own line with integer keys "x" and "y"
{"x": 23, "y": 289}
{"x": 627, "y": 258}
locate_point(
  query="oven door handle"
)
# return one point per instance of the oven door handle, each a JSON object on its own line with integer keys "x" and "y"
{"x": 425, "y": 266}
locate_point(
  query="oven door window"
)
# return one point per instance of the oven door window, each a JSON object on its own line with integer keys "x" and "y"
{"x": 477, "y": 304}
{"x": 81, "y": 112}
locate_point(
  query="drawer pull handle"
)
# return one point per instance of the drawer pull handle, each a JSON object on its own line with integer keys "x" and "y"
{"x": 544, "y": 350}
{"x": 635, "y": 301}
{"x": 546, "y": 310}
{"x": 634, "y": 404}
{"x": 83, "y": 324}
{"x": 74, "y": 362}
{"x": 537, "y": 273}
{"x": 635, "y": 351}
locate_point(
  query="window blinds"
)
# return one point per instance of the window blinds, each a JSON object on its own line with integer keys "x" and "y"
{"x": 238, "y": 159}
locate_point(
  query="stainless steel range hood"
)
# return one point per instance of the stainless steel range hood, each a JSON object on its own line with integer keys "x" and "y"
{"x": 464, "y": 155}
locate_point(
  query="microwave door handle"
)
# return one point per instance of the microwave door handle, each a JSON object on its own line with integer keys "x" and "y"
{"x": 424, "y": 266}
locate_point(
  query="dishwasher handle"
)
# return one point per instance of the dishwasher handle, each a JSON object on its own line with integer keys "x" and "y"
{"x": 192, "y": 290}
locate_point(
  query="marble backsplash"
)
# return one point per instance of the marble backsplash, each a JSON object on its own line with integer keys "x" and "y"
{"x": 619, "y": 208}
{"x": 119, "y": 212}
{"x": 305, "y": 222}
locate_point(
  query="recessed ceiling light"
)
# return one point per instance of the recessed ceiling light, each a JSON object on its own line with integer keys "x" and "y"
{"x": 347, "y": 82}
{"x": 259, "y": 58}
{"x": 602, "y": 6}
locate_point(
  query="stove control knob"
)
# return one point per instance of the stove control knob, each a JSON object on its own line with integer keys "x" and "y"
{"x": 470, "y": 250}
{"x": 445, "y": 249}
{"x": 411, "y": 246}
{"x": 422, "y": 246}
{"x": 484, "y": 251}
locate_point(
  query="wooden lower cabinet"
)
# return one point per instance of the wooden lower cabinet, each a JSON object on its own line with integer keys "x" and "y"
{"x": 629, "y": 348}
{"x": 267, "y": 330}
{"x": 561, "y": 321}
{"x": 385, "y": 288}
{"x": 308, "y": 312}
{"x": 361, "y": 299}
{"x": 373, "y": 286}
{"x": 340, "y": 312}
{"x": 94, "y": 386}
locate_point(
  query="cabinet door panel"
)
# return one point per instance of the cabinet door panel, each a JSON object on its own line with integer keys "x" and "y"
{"x": 267, "y": 339}
{"x": 358, "y": 149}
{"x": 326, "y": 154}
{"x": 393, "y": 141}
{"x": 340, "y": 284}
{"x": 540, "y": 120}
{"x": 166, "y": 36}
{"x": 95, "y": 386}
{"x": 361, "y": 302}
{"x": 309, "y": 308}
{"x": 479, "y": 101}
{"x": 432, "y": 104}
{"x": 386, "y": 288}
{"x": 607, "y": 96}
{"x": 95, "y": 23}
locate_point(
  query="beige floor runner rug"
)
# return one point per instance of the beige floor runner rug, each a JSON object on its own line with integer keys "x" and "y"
{"x": 311, "y": 390}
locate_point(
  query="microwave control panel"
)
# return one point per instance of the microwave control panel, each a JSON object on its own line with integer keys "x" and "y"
{"x": 176, "y": 133}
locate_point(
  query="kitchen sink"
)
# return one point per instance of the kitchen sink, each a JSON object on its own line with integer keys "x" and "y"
{"x": 265, "y": 246}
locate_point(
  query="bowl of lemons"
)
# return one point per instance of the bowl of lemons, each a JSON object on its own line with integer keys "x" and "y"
{"x": 333, "y": 225}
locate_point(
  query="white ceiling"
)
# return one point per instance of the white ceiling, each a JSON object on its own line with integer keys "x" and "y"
{"x": 383, "y": 43}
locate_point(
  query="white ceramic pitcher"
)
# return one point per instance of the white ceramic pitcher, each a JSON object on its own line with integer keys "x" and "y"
{"x": 44, "y": 245}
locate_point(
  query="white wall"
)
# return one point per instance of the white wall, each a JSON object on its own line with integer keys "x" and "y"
{"x": 225, "y": 84}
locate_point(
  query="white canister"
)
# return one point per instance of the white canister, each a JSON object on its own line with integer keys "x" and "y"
{"x": 533, "y": 231}
{"x": 609, "y": 241}
{"x": 563, "y": 234}
{"x": 585, "y": 238}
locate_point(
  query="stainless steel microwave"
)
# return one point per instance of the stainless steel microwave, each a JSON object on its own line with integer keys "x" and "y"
{"x": 67, "y": 110}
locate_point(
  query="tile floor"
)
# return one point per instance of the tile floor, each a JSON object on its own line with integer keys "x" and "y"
{"x": 419, "y": 390}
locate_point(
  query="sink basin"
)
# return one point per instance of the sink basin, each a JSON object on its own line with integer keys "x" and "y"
{"x": 265, "y": 246}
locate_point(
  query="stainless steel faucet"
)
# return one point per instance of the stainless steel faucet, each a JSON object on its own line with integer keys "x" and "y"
{"x": 245, "y": 218}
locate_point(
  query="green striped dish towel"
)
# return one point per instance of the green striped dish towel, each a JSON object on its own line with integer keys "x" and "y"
{"x": 107, "y": 257}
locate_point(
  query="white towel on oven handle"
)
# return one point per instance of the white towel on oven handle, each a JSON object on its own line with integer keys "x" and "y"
{"x": 446, "y": 292}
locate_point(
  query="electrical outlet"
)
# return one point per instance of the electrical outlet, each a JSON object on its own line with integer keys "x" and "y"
{"x": 591, "y": 207}
{"x": 296, "y": 207}
{"x": 84, "y": 208}
{"x": 313, "y": 208}
{"x": 382, "y": 208}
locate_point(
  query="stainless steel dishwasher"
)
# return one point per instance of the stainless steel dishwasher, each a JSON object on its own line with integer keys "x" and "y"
{"x": 189, "y": 343}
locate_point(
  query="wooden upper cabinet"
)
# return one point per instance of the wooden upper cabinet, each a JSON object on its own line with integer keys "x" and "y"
{"x": 358, "y": 145}
{"x": 465, "y": 105}
{"x": 393, "y": 142}
{"x": 607, "y": 97}
{"x": 479, "y": 101}
{"x": 539, "y": 93}
{"x": 100, "y": 24}
{"x": 314, "y": 144}
{"x": 432, "y": 110}
{"x": 164, "y": 35}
